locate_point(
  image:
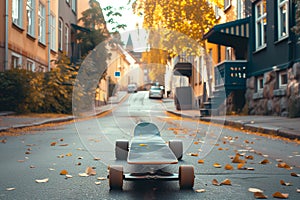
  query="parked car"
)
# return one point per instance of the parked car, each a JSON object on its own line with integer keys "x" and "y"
{"x": 156, "y": 92}
{"x": 132, "y": 88}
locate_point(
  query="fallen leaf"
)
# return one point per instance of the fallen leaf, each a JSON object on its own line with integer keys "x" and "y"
{"x": 61, "y": 156}
{"x": 79, "y": 163}
{"x": 101, "y": 178}
{"x": 10, "y": 189}
{"x": 284, "y": 165}
{"x": 255, "y": 190}
{"x": 96, "y": 159}
{"x": 282, "y": 182}
{"x": 97, "y": 182}
{"x": 279, "y": 160}
{"x": 31, "y": 166}
{"x": 53, "y": 144}
{"x": 196, "y": 142}
{"x": 228, "y": 167}
{"x": 250, "y": 157}
{"x": 200, "y": 190}
{"x": 62, "y": 139}
{"x": 280, "y": 195}
{"x": 143, "y": 145}
{"x": 193, "y": 154}
{"x": 298, "y": 190}
{"x": 21, "y": 161}
{"x": 220, "y": 149}
{"x": 83, "y": 175}
{"x": 226, "y": 182}
{"x": 45, "y": 180}
{"x": 217, "y": 165}
{"x": 264, "y": 162}
{"x": 63, "y": 172}
{"x": 90, "y": 171}
{"x": 237, "y": 159}
{"x": 64, "y": 145}
{"x": 201, "y": 161}
{"x": 51, "y": 169}
{"x": 215, "y": 182}
{"x": 250, "y": 168}
{"x": 259, "y": 195}
{"x": 69, "y": 176}
{"x": 3, "y": 141}
{"x": 294, "y": 174}
{"x": 69, "y": 154}
{"x": 241, "y": 166}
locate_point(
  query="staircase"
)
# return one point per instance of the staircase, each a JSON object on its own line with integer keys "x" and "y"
{"x": 213, "y": 103}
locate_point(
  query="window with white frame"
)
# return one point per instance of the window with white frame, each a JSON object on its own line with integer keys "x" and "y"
{"x": 66, "y": 39}
{"x": 241, "y": 9}
{"x": 52, "y": 32}
{"x": 283, "y": 18}
{"x": 60, "y": 34}
{"x": 74, "y": 5}
{"x": 260, "y": 24}
{"x": 260, "y": 83}
{"x": 42, "y": 23}
{"x": 17, "y": 10}
{"x": 30, "y": 65}
{"x": 283, "y": 79}
{"x": 16, "y": 61}
{"x": 228, "y": 53}
{"x": 30, "y": 6}
{"x": 227, "y": 4}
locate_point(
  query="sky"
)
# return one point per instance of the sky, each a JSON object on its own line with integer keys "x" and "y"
{"x": 128, "y": 18}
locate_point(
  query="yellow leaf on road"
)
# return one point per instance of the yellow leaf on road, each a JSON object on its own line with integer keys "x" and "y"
{"x": 280, "y": 195}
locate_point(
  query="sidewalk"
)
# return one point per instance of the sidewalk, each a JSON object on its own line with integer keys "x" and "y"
{"x": 280, "y": 126}
{"x": 8, "y": 120}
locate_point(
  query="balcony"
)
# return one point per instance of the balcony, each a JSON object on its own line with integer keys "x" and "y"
{"x": 231, "y": 75}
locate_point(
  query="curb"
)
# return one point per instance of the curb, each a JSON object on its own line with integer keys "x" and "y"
{"x": 58, "y": 120}
{"x": 244, "y": 126}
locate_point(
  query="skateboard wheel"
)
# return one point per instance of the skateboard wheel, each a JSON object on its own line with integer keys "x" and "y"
{"x": 116, "y": 177}
{"x": 186, "y": 176}
{"x": 177, "y": 148}
{"x": 121, "y": 149}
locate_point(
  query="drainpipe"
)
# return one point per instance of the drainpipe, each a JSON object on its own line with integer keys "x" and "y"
{"x": 6, "y": 36}
{"x": 49, "y": 37}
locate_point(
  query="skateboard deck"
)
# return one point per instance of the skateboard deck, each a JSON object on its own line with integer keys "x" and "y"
{"x": 147, "y": 147}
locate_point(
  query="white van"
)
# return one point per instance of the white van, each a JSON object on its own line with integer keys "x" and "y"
{"x": 132, "y": 88}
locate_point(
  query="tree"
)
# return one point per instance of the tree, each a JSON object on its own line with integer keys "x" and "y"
{"x": 94, "y": 21}
{"x": 175, "y": 26}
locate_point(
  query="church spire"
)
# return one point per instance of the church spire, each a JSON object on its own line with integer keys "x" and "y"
{"x": 129, "y": 45}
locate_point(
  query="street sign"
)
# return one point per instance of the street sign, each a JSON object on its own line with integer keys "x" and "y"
{"x": 117, "y": 74}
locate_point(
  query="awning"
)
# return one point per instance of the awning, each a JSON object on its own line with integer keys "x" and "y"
{"x": 80, "y": 28}
{"x": 234, "y": 34}
{"x": 183, "y": 69}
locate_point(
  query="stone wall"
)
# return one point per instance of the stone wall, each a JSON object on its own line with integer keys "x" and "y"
{"x": 273, "y": 100}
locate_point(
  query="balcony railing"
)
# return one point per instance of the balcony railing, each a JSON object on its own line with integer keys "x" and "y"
{"x": 231, "y": 74}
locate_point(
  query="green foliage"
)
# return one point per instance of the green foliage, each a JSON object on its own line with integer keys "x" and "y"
{"x": 24, "y": 91}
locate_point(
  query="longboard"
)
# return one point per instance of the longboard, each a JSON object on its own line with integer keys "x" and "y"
{"x": 147, "y": 147}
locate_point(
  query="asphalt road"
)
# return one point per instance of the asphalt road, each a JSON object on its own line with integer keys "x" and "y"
{"x": 43, "y": 153}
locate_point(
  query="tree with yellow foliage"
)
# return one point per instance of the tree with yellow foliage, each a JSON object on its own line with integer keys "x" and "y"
{"x": 175, "y": 26}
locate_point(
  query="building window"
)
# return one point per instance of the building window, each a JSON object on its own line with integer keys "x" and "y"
{"x": 260, "y": 24}
{"x": 66, "y": 39}
{"x": 227, "y": 4}
{"x": 260, "y": 83}
{"x": 60, "y": 35}
{"x": 42, "y": 23}
{"x": 17, "y": 6}
{"x": 228, "y": 53}
{"x": 217, "y": 12}
{"x": 16, "y": 61}
{"x": 30, "y": 6}
{"x": 74, "y": 5}
{"x": 283, "y": 79}
{"x": 30, "y": 65}
{"x": 283, "y": 19}
{"x": 53, "y": 32}
{"x": 241, "y": 9}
